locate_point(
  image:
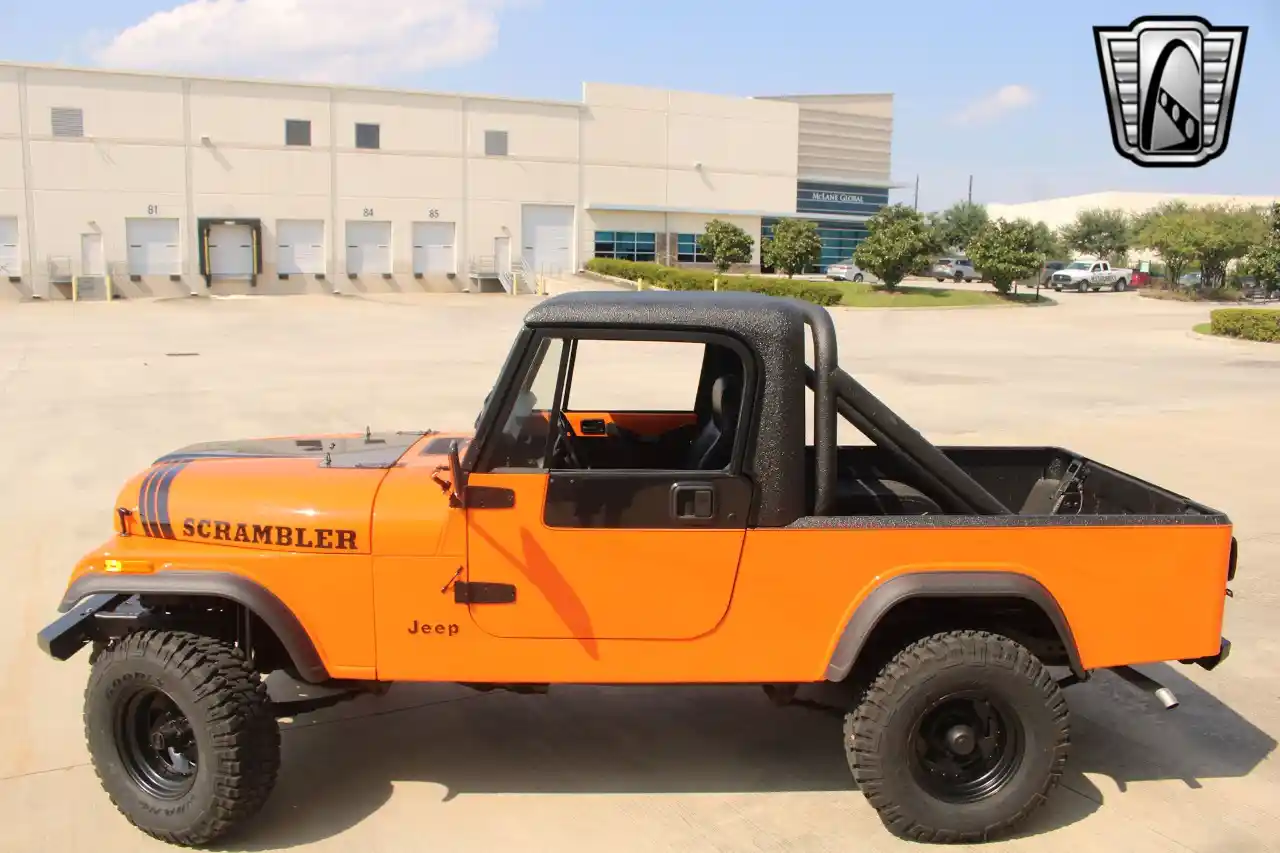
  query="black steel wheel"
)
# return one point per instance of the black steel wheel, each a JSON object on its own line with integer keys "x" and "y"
{"x": 960, "y": 737}
{"x": 157, "y": 747}
{"x": 967, "y": 746}
{"x": 182, "y": 735}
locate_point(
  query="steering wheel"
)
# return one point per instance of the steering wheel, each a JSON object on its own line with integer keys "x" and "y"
{"x": 570, "y": 439}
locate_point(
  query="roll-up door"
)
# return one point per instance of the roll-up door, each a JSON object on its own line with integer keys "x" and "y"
{"x": 368, "y": 247}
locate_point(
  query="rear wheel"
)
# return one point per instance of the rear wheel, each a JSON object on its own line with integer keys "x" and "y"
{"x": 182, "y": 735}
{"x": 1121, "y": 284}
{"x": 858, "y": 277}
{"x": 961, "y": 737}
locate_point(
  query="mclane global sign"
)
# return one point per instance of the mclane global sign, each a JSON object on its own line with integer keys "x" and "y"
{"x": 813, "y": 197}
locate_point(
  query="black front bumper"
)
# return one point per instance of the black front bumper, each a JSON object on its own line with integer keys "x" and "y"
{"x": 71, "y": 631}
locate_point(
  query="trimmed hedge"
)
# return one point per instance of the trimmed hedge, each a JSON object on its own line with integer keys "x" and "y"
{"x": 1250, "y": 324}
{"x": 673, "y": 278}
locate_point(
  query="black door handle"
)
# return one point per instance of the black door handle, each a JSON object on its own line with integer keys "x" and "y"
{"x": 693, "y": 501}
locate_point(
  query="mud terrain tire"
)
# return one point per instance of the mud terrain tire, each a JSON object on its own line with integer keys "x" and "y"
{"x": 960, "y": 737}
{"x": 182, "y": 735}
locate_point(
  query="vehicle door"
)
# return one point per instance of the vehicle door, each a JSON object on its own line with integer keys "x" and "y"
{"x": 607, "y": 501}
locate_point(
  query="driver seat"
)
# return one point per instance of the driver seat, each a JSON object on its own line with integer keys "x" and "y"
{"x": 712, "y": 449}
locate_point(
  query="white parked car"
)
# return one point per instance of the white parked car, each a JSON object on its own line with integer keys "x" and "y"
{"x": 848, "y": 271}
{"x": 1084, "y": 276}
{"x": 956, "y": 269}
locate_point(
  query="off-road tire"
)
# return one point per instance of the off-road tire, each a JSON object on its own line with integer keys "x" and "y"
{"x": 880, "y": 733}
{"x": 231, "y": 719}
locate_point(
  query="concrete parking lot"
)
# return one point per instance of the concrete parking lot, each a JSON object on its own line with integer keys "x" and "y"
{"x": 90, "y": 393}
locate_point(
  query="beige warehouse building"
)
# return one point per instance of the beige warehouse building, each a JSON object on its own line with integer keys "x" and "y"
{"x": 1056, "y": 212}
{"x": 169, "y": 185}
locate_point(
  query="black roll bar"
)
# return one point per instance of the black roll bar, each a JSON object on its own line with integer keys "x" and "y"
{"x": 914, "y": 446}
{"x": 824, "y": 411}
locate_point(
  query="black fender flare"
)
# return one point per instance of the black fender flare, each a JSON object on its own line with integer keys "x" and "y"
{"x": 945, "y": 584}
{"x": 206, "y": 584}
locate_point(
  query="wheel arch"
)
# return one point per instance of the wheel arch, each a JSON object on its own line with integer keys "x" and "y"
{"x": 899, "y": 594}
{"x": 225, "y": 586}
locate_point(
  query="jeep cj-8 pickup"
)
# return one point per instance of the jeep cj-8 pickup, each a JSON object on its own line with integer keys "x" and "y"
{"x": 944, "y": 596}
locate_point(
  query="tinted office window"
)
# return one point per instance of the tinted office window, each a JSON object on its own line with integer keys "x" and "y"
{"x": 368, "y": 136}
{"x": 297, "y": 132}
{"x": 495, "y": 143}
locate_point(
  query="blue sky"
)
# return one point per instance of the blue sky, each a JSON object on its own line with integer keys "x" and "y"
{"x": 942, "y": 61}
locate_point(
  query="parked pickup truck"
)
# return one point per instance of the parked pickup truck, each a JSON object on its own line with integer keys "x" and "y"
{"x": 1091, "y": 275}
{"x": 942, "y": 596}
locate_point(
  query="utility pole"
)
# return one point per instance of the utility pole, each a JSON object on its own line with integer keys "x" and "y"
{"x": 915, "y": 203}
{"x": 971, "y": 189}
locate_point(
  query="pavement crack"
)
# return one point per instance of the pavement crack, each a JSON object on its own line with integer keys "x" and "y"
{"x": 43, "y": 772}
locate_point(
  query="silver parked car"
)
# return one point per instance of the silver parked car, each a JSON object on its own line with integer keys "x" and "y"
{"x": 848, "y": 271}
{"x": 956, "y": 269}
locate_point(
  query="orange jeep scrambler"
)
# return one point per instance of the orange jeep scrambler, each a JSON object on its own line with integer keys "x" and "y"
{"x": 571, "y": 543}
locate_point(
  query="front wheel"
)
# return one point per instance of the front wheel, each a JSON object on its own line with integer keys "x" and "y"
{"x": 858, "y": 278}
{"x": 961, "y": 737}
{"x": 182, "y": 735}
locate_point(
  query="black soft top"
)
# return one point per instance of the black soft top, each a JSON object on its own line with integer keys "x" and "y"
{"x": 753, "y": 317}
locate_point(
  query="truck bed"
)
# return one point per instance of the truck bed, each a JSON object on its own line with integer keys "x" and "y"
{"x": 1027, "y": 480}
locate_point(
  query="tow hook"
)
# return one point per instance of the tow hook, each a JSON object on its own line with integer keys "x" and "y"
{"x": 1148, "y": 684}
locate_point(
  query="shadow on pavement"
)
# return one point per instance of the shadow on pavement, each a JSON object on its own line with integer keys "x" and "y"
{"x": 339, "y": 770}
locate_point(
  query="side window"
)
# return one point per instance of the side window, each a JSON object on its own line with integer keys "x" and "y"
{"x": 651, "y": 405}
{"x": 635, "y": 376}
{"x": 521, "y": 442}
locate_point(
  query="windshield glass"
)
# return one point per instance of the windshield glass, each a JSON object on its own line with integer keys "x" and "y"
{"x": 1080, "y": 265}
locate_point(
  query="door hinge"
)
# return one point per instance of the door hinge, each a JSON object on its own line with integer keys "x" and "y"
{"x": 480, "y": 592}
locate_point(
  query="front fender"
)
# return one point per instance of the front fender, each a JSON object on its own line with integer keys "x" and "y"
{"x": 93, "y": 593}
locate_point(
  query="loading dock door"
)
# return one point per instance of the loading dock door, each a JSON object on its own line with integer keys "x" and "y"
{"x": 153, "y": 246}
{"x": 300, "y": 246}
{"x": 433, "y": 248}
{"x": 547, "y": 238}
{"x": 368, "y": 247}
{"x": 231, "y": 251}
{"x": 10, "y": 260}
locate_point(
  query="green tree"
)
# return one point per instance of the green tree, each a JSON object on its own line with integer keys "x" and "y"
{"x": 1167, "y": 230}
{"x": 1007, "y": 251}
{"x": 1263, "y": 260}
{"x": 726, "y": 243}
{"x": 1049, "y": 242}
{"x": 959, "y": 224}
{"x": 1099, "y": 232}
{"x": 1220, "y": 234}
{"x": 899, "y": 240}
{"x": 795, "y": 246}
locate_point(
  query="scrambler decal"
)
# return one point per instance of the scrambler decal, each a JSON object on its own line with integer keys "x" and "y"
{"x": 319, "y": 538}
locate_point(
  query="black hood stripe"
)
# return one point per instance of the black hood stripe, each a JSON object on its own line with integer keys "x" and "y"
{"x": 153, "y": 501}
{"x": 164, "y": 482}
{"x": 144, "y": 502}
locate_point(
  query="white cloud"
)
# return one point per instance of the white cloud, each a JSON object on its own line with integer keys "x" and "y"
{"x": 1004, "y": 100}
{"x": 313, "y": 40}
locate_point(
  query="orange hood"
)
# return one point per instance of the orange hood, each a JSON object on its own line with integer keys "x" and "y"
{"x": 312, "y": 493}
